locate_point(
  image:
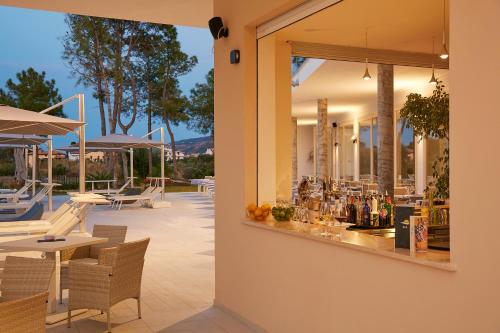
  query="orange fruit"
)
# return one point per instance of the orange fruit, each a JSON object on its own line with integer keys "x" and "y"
{"x": 258, "y": 212}
{"x": 266, "y": 207}
{"x": 251, "y": 207}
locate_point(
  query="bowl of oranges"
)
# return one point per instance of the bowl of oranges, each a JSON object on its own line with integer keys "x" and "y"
{"x": 258, "y": 213}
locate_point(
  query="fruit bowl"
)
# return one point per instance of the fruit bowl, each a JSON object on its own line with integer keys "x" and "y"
{"x": 282, "y": 213}
{"x": 258, "y": 213}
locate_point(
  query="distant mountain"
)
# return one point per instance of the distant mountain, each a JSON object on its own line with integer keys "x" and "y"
{"x": 195, "y": 145}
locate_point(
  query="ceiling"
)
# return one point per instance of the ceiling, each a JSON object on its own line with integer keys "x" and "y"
{"x": 408, "y": 25}
{"x": 348, "y": 94}
{"x": 195, "y": 13}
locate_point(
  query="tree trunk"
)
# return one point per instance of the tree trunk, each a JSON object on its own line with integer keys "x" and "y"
{"x": 125, "y": 166}
{"x": 21, "y": 172}
{"x": 172, "y": 145}
{"x": 385, "y": 122}
{"x": 150, "y": 137}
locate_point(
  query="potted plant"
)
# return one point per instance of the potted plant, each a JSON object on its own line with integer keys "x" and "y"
{"x": 429, "y": 117}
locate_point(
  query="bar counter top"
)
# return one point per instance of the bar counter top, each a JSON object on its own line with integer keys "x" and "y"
{"x": 339, "y": 236}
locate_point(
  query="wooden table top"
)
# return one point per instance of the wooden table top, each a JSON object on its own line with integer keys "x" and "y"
{"x": 31, "y": 244}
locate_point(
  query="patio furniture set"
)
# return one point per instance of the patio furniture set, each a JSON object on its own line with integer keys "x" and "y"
{"x": 99, "y": 272}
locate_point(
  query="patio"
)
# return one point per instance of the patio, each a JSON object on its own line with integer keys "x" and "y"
{"x": 178, "y": 279}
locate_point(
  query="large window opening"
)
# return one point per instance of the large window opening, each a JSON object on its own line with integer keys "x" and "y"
{"x": 338, "y": 101}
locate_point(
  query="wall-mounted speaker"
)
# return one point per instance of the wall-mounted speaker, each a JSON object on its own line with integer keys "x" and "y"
{"x": 217, "y": 28}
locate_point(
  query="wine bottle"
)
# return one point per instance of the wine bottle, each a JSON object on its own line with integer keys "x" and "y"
{"x": 366, "y": 213}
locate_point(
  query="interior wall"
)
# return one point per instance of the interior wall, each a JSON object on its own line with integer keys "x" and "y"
{"x": 288, "y": 284}
{"x": 305, "y": 148}
{"x": 274, "y": 126}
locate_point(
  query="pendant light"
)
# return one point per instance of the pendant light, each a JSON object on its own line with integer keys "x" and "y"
{"x": 366, "y": 76}
{"x": 444, "y": 52}
{"x": 433, "y": 80}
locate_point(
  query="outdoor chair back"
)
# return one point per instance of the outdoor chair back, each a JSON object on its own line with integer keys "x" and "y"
{"x": 24, "y": 315}
{"x": 114, "y": 233}
{"x": 127, "y": 266}
{"x": 24, "y": 288}
{"x": 24, "y": 277}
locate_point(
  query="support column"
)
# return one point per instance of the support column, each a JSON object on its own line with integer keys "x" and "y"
{"x": 336, "y": 145}
{"x": 322, "y": 139}
{"x": 420, "y": 166}
{"x": 355, "y": 163}
{"x": 294, "y": 149}
{"x": 372, "y": 165}
{"x": 385, "y": 121}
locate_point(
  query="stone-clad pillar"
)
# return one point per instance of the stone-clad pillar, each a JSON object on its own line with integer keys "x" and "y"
{"x": 322, "y": 139}
{"x": 294, "y": 149}
{"x": 385, "y": 122}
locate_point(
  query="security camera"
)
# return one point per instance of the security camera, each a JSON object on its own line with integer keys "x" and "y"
{"x": 217, "y": 28}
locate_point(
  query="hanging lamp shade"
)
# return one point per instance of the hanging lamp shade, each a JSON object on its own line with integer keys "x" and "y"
{"x": 367, "y": 75}
{"x": 444, "y": 52}
{"x": 433, "y": 77}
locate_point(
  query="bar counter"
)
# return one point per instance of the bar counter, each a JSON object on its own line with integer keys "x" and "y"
{"x": 339, "y": 236}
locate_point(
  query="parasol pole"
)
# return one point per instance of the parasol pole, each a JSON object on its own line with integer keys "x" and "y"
{"x": 49, "y": 169}
{"x": 162, "y": 158}
{"x": 81, "y": 141}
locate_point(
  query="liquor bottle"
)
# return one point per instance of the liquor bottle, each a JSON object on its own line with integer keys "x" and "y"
{"x": 366, "y": 213}
{"x": 359, "y": 211}
{"x": 388, "y": 205}
{"x": 348, "y": 208}
{"x": 382, "y": 214}
{"x": 353, "y": 212}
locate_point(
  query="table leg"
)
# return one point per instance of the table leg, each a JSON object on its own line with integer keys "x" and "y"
{"x": 52, "y": 302}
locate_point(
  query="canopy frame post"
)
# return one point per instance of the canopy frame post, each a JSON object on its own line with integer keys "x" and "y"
{"x": 131, "y": 167}
{"x": 26, "y": 162}
{"x": 33, "y": 170}
{"x": 49, "y": 170}
{"x": 162, "y": 158}
{"x": 81, "y": 141}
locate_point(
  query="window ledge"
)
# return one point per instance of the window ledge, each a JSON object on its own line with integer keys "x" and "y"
{"x": 360, "y": 242}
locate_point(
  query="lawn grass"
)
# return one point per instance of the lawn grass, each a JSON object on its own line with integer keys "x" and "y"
{"x": 181, "y": 188}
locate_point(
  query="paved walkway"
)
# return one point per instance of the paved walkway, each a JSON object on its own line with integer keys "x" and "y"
{"x": 178, "y": 280}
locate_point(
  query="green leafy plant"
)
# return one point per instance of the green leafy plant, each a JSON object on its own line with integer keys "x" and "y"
{"x": 429, "y": 117}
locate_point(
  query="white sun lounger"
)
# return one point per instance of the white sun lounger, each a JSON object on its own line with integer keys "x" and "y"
{"x": 62, "y": 224}
{"x": 27, "y": 204}
{"x": 15, "y": 196}
{"x": 149, "y": 194}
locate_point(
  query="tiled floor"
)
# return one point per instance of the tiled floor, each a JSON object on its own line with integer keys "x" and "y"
{"x": 178, "y": 280}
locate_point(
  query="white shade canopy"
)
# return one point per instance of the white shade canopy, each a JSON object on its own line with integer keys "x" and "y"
{"x": 76, "y": 149}
{"x": 10, "y": 146}
{"x": 19, "y": 121}
{"x": 22, "y": 139}
{"x": 122, "y": 141}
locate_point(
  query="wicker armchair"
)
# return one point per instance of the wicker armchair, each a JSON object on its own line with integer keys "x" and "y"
{"x": 114, "y": 233}
{"x": 116, "y": 277}
{"x": 24, "y": 287}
